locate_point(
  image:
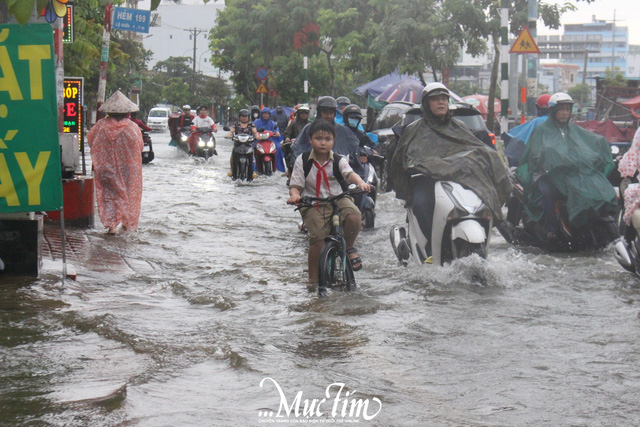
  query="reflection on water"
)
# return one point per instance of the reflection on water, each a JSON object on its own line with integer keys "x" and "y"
{"x": 179, "y": 323}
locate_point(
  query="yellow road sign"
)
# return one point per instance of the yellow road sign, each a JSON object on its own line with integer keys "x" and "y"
{"x": 524, "y": 43}
{"x": 262, "y": 88}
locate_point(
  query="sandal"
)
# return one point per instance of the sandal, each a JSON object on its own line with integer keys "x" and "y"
{"x": 356, "y": 262}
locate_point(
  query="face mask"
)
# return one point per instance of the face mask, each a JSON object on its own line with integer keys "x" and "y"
{"x": 353, "y": 123}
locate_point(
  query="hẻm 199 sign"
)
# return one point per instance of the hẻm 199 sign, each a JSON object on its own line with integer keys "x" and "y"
{"x": 30, "y": 171}
{"x": 73, "y": 91}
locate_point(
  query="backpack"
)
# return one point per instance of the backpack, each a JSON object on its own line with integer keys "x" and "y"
{"x": 307, "y": 164}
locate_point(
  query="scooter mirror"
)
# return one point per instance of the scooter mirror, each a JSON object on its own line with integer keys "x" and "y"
{"x": 226, "y": 128}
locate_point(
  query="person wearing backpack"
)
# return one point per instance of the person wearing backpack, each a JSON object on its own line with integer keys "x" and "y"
{"x": 321, "y": 173}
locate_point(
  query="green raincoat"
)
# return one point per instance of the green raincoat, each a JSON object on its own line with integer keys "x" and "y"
{"x": 576, "y": 162}
{"x": 448, "y": 151}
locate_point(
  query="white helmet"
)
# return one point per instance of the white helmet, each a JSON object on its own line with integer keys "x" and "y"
{"x": 560, "y": 98}
{"x": 433, "y": 89}
{"x": 186, "y": 107}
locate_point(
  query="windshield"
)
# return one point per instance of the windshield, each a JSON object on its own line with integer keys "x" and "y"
{"x": 158, "y": 113}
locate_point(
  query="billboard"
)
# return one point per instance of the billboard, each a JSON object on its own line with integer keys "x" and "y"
{"x": 30, "y": 170}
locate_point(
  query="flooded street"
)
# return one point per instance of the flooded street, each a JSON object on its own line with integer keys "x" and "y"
{"x": 209, "y": 323}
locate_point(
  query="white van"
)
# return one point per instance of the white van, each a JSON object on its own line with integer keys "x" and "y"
{"x": 158, "y": 118}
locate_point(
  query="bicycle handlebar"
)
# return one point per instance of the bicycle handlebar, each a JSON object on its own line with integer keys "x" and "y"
{"x": 307, "y": 201}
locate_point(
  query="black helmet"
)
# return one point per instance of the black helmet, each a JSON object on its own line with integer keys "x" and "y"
{"x": 343, "y": 100}
{"x": 352, "y": 110}
{"x": 326, "y": 102}
{"x": 244, "y": 112}
{"x": 255, "y": 108}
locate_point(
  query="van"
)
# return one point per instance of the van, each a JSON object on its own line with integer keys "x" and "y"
{"x": 158, "y": 118}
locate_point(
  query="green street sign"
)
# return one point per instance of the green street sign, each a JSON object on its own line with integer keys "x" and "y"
{"x": 30, "y": 171}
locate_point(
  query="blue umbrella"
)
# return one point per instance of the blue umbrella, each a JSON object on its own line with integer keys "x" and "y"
{"x": 407, "y": 90}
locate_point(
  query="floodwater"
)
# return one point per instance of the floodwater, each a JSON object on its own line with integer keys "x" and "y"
{"x": 209, "y": 323}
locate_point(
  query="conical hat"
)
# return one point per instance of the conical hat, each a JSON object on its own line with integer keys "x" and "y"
{"x": 118, "y": 103}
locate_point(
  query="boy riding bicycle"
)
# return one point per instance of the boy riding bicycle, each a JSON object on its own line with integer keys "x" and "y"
{"x": 315, "y": 175}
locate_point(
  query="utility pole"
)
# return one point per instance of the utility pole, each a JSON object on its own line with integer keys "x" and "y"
{"x": 194, "y": 33}
{"x": 613, "y": 42}
{"x": 504, "y": 62}
{"x": 104, "y": 60}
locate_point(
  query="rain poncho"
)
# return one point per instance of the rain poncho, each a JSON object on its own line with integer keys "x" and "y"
{"x": 269, "y": 124}
{"x": 448, "y": 151}
{"x": 116, "y": 148}
{"x": 628, "y": 166}
{"x": 576, "y": 162}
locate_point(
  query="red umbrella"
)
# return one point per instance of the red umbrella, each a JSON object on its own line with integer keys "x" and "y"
{"x": 481, "y": 103}
{"x": 408, "y": 90}
{"x": 634, "y": 105}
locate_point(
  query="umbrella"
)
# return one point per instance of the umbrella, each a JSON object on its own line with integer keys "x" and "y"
{"x": 481, "y": 103}
{"x": 408, "y": 90}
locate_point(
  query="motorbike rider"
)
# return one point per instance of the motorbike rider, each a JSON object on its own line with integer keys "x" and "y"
{"x": 186, "y": 118}
{"x": 134, "y": 117}
{"x": 255, "y": 113}
{"x": 201, "y": 122}
{"x": 352, "y": 117}
{"x": 443, "y": 149}
{"x": 628, "y": 167}
{"x": 346, "y": 143}
{"x": 281, "y": 118}
{"x": 564, "y": 161}
{"x": 293, "y": 129}
{"x": 517, "y": 138}
{"x": 266, "y": 123}
{"x": 243, "y": 126}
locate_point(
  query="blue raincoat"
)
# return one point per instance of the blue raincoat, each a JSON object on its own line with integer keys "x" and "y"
{"x": 272, "y": 126}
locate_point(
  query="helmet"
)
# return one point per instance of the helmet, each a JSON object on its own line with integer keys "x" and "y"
{"x": 343, "y": 100}
{"x": 186, "y": 107}
{"x": 352, "y": 110}
{"x": 244, "y": 112}
{"x": 279, "y": 108}
{"x": 255, "y": 108}
{"x": 543, "y": 101}
{"x": 560, "y": 98}
{"x": 302, "y": 108}
{"x": 434, "y": 89}
{"x": 326, "y": 102}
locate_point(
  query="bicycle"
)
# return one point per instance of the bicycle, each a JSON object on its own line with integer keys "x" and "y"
{"x": 334, "y": 267}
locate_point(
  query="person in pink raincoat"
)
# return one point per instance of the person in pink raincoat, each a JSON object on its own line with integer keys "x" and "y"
{"x": 628, "y": 167}
{"x": 116, "y": 147}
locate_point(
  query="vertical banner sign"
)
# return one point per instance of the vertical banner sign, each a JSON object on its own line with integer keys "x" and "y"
{"x": 30, "y": 171}
{"x": 67, "y": 25}
{"x": 73, "y": 91}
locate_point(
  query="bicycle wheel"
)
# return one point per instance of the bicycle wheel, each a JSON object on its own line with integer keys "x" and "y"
{"x": 334, "y": 270}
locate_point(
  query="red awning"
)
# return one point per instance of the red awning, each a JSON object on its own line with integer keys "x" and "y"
{"x": 633, "y": 102}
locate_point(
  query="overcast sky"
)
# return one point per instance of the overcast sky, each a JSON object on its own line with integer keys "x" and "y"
{"x": 627, "y": 14}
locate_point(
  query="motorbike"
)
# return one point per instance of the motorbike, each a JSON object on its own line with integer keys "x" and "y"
{"x": 206, "y": 144}
{"x": 519, "y": 229}
{"x": 460, "y": 228}
{"x": 147, "y": 156}
{"x": 366, "y": 202}
{"x": 242, "y": 157}
{"x": 265, "y": 153}
{"x": 183, "y": 140}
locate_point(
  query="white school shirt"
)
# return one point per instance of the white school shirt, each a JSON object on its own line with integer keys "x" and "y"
{"x": 199, "y": 122}
{"x": 308, "y": 186}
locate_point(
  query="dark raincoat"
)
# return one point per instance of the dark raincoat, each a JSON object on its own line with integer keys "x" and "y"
{"x": 576, "y": 162}
{"x": 448, "y": 151}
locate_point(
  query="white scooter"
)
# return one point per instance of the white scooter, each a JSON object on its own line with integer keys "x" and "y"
{"x": 461, "y": 225}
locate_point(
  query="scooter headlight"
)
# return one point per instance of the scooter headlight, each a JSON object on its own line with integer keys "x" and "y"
{"x": 201, "y": 143}
{"x": 184, "y": 138}
{"x": 260, "y": 149}
{"x": 272, "y": 148}
{"x": 210, "y": 144}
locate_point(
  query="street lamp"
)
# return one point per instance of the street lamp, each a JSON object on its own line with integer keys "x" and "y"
{"x": 200, "y": 60}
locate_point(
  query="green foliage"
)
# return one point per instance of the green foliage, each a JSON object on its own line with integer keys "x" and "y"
{"x": 581, "y": 91}
{"x": 615, "y": 77}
